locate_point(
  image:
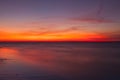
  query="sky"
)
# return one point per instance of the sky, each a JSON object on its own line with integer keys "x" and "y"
{"x": 59, "y": 20}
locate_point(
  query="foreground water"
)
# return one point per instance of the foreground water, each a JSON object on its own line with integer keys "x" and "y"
{"x": 59, "y": 61}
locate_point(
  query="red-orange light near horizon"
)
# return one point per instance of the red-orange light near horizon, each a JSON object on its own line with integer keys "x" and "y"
{"x": 52, "y": 37}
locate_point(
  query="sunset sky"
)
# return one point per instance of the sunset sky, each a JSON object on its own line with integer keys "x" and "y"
{"x": 59, "y": 20}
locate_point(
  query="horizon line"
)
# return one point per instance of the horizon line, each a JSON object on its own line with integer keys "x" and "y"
{"x": 51, "y": 41}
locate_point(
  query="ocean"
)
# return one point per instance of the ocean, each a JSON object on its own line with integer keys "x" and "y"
{"x": 60, "y": 61}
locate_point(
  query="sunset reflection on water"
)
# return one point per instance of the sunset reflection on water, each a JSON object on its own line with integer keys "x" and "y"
{"x": 59, "y": 61}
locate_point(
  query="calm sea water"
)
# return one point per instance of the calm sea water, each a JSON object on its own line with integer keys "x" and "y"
{"x": 59, "y": 61}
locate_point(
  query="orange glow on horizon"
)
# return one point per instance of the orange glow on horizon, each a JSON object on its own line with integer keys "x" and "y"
{"x": 51, "y": 37}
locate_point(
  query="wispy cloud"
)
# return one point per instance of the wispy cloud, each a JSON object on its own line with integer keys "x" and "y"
{"x": 49, "y": 31}
{"x": 91, "y": 20}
